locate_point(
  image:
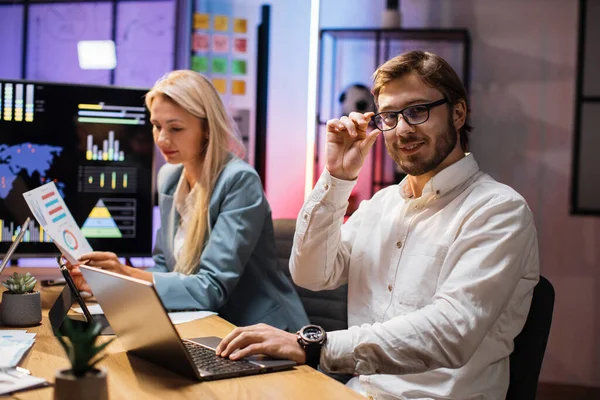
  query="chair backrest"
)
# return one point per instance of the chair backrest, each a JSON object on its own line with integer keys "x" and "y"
{"x": 326, "y": 308}
{"x": 530, "y": 345}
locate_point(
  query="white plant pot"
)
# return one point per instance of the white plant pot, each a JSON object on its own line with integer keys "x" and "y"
{"x": 21, "y": 309}
{"x": 92, "y": 386}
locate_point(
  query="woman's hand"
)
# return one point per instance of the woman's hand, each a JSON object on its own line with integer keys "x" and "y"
{"x": 110, "y": 262}
{"x": 105, "y": 260}
{"x": 77, "y": 276}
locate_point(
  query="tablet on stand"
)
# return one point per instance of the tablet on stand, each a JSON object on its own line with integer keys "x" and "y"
{"x": 69, "y": 295}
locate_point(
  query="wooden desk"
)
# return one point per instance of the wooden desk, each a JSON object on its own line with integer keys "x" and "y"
{"x": 130, "y": 377}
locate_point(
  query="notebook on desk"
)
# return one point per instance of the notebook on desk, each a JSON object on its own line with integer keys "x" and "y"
{"x": 143, "y": 327}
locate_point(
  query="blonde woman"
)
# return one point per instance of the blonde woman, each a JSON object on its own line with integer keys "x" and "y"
{"x": 215, "y": 249}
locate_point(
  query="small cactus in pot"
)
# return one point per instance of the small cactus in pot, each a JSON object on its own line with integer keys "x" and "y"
{"x": 21, "y": 303}
{"x": 20, "y": 283}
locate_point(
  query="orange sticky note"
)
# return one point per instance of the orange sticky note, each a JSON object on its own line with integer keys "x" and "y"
{"x": 240, "y": 25}
{"x": 221, "y": 23}
{"x": 220, "y": 85}
{"x": 201, "y": 21}
{"x": 238, "y": 87}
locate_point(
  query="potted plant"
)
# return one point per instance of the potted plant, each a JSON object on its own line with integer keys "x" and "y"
{"x": 83, "y": 380}
{"x": 21, "y": 304}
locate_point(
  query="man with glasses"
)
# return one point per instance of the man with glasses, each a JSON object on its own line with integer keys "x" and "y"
{"x": 440, "y": 268}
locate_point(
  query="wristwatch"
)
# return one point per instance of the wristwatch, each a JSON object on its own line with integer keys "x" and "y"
{"x": 312, "y": 338}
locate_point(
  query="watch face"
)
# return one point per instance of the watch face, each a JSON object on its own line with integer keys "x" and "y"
{"x": 312, "y": 333}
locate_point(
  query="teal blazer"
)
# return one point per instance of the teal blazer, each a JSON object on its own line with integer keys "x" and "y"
{"x": 238, "y": 275}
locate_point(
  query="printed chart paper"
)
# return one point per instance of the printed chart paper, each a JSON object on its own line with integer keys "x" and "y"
{"x": 50, "y": 210}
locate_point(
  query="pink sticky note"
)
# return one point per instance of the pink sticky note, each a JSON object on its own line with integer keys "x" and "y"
{"x": 201, "y": 42}
{"x": 220, "y": 43}
{"x": 240, "y": 45}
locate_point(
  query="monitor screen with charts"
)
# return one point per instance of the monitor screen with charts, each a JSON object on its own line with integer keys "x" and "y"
{"x": 95, "y": 143}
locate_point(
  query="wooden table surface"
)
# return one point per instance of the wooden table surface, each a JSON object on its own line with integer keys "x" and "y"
{"x": 130, "y": 377}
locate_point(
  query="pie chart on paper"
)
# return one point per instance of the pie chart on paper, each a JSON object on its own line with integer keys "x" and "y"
{"x": 70, "y": 240}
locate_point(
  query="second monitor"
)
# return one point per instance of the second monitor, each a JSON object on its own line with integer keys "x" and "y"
{"x": 95, "y": 143}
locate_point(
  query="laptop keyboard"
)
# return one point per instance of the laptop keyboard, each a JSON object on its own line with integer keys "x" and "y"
{"x": 207, "y": 360}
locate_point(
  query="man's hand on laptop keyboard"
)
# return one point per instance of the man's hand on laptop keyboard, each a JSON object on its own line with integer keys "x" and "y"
{"x": 261, "y": 339}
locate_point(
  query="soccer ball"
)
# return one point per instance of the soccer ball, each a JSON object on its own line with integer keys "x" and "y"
{"x": 356, "y": 97}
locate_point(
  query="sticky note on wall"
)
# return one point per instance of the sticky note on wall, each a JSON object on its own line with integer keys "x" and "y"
{"x": 200, "y": 64}
{"x": 238, "y": 67}
{"x": 201, "y": 21}
{"x": 200, "y": 42}
{"x": 219, "y": 65}
{"x": 220, "y": 43}
{"x": 240, "y": 45}
{"x": 238, "y": 87}
{"x": 240, "y": 25}
{"x": 221, "y": 23}
{"x": 220, "y": 85}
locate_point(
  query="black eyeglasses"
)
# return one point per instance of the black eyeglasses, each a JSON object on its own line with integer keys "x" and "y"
{"x": 413, "y": 115}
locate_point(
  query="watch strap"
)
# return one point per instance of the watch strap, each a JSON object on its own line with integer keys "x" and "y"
{"x": 313, "y": 354}
{"x": 312, "y": 349}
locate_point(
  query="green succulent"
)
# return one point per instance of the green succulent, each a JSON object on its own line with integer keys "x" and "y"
{"x": 20, "y": 283}
{"x": 79, "y": 342}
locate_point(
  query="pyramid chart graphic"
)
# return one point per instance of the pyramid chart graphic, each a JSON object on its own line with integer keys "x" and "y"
{"x": 100, "y": 223}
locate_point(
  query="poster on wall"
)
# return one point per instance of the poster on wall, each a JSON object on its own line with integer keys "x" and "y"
{"x": 223, "y": 47}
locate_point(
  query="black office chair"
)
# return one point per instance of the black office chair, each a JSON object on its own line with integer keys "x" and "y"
{"x": 327, "y": 308}
{"x": 530, "y": 344}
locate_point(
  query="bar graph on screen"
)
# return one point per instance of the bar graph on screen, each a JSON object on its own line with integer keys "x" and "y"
{"x": 109, "y": 179}
{"x": 7, "y": 111}
{"x": 102, "y": 113}
{"x": 110, "y": 150}
{"x": 16, "y": 102}
{"x": 34, "y": 234}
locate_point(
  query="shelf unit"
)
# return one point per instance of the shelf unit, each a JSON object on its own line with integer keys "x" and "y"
{"x": 338, "y": 51}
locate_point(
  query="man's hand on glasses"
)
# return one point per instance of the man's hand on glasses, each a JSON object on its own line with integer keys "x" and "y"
{"x": 349, "y": 140}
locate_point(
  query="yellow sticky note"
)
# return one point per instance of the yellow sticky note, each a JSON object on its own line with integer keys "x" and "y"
{"x": 240, "y": 25}
{"x": 201, "y": 21}
{"x": 221, "y": 23}
{"x": 238, "y": 87}
{"x": 220, "y": 85}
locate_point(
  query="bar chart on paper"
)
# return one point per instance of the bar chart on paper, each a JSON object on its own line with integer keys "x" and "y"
{"x": 53, "y": 206}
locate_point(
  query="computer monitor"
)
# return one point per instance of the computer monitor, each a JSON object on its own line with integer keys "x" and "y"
{"x": 95, "y": 143}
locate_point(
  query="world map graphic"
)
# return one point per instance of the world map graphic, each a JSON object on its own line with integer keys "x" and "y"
{"x": 28, "y": 157}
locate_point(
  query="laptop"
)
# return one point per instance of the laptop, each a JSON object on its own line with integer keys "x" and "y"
{"x": 143, "y": 326}
{"x": 14, "y": 245}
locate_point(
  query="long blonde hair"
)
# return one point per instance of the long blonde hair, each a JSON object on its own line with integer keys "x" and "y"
{"x": 196, "y": 94}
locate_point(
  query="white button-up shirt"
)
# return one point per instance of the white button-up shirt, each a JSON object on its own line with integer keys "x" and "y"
{"x": 438, "y": 286}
